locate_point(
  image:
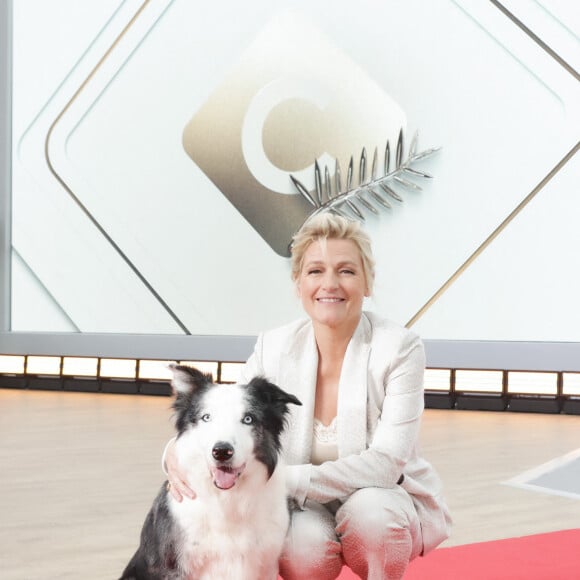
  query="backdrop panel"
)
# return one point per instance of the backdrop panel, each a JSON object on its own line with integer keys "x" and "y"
{"x": 153, "y": 143}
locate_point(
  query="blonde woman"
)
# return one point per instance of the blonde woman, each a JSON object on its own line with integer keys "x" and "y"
{"x": 365, "y": 497}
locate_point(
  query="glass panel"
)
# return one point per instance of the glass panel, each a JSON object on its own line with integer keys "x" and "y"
{"x": 532, "y": 383}
{"x": 478, "y": 381}
{"x": 43, "y": 365}
{"x": 571, "y": 384}
{"x": 79, "y": 366}
{"x": 437, "y": 379}
{"x": 155, "y": 369}
{"x": 11, "y": 364}
{"x": 231, "y": 372}
{"x": 118, "y": 368}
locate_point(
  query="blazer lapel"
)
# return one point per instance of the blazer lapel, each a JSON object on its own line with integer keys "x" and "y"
{"x": 298, "y": 369}
{"x": 352, "y": 392}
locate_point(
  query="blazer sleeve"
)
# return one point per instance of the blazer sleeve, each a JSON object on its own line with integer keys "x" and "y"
{"x": 383, "y": 463}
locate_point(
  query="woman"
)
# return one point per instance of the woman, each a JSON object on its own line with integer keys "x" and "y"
{"x": 365, "y": 497}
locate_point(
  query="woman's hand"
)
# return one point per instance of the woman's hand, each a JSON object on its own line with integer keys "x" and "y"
{"x": 176, "y": 484}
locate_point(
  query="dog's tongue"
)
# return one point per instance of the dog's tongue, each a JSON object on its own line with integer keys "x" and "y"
{"x": 225, "y": 477}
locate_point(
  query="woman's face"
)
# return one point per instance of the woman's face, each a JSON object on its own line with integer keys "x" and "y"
{"x": 332, "y": 283}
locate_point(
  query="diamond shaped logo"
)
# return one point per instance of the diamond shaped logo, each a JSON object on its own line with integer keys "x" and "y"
{"x": 292, "y": 98}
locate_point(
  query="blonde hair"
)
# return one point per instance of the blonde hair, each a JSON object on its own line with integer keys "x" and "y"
{"x": 327, "y": 225}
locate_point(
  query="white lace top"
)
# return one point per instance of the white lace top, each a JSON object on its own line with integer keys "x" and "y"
{"x": 324, "y": 442}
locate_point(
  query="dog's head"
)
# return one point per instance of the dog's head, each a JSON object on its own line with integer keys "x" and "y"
{"x": 231, "y": 425}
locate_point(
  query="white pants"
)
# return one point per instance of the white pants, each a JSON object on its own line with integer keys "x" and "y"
{"x": 376, "y": 532}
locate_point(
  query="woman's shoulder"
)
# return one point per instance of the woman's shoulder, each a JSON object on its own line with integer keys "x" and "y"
{"x": 279, "y": 342}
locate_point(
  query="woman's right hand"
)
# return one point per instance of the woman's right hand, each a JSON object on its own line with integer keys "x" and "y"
{"x": 176, "y": 483}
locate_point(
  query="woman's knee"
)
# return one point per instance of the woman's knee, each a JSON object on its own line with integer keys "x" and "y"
{"x": 311, "y": 549}
{"x": 380, "y": 532}
{"x": 374, "y": 512}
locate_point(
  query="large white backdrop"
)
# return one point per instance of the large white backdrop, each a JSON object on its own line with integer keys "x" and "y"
{"x": 153, "y": 142}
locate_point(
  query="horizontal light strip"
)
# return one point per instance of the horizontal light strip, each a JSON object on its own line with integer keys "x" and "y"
{"x": 231, "y": 372}
{"x": 571, "y": 384}
{"x": 155, "y": 370}
{"x": 532, "y": 383}
{"x": 11, "y": 364}
{"x": 470, "y": 381}
{"x": 438, "y": 380}
{"x": 118, "y": 368}
{"x": 43, "y": 365}
{"x": 77, "y": 366}
{"x": 108, "y": 367}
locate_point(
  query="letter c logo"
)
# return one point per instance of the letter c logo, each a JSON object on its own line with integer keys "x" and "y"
{"x": 261, "y": 105}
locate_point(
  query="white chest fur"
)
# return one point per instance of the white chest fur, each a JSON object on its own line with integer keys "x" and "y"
{"x": 234, "y": 534}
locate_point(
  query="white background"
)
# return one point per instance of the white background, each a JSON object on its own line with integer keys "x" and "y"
{"x": 504, "y": 111}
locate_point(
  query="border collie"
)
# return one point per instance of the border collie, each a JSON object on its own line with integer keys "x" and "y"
{"x": 228, "y": 444}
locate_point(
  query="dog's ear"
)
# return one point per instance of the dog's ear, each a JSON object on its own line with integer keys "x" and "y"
{"x": 272, "y": 410}
{"x": 187, "y": 379}
{"x": 271, "y": 393}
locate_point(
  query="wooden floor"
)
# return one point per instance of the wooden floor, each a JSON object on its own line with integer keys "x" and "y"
{"x": 79, "y": 471}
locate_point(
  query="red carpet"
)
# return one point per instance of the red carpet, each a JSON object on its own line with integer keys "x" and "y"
{"x": 553, "y": 556}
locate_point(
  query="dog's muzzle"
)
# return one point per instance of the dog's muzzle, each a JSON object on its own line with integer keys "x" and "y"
{"x": 224, "y": 473}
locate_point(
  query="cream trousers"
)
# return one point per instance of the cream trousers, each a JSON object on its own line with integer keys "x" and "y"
{"x": 376, "y": 532}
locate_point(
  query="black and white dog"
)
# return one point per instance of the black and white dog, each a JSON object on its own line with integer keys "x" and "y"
{"x": 228, "y": 444}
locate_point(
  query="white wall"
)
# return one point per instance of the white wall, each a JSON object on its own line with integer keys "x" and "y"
{"x": 147, "y": 198}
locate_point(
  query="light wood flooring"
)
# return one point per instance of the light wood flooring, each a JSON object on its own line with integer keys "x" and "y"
{"x": 78, "y": 473}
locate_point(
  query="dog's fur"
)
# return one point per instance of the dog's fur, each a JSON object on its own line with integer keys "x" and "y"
{"x": 228, "y": 444}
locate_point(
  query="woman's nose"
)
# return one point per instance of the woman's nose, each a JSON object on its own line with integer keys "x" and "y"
{"x": 330, "y": 280}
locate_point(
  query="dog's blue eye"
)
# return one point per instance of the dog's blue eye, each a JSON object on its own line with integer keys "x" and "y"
{"x": 206, "y": 417}
{"x": 248, "y": 419}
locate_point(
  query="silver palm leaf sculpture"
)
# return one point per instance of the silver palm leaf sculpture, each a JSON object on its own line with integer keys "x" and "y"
{"x": 373, "y": 191}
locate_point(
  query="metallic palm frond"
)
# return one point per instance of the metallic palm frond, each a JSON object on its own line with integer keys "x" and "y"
{"x": 373, "y": 192}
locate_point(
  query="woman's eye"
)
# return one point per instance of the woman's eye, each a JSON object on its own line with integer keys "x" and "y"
{"x": 346, "y": 272}
{"x": 206, "y": 417}
{"x": 316, "y": 271}
{"x": 248, "y": 419}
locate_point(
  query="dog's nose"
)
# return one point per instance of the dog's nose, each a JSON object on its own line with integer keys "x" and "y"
{"x": 222, "y": 451}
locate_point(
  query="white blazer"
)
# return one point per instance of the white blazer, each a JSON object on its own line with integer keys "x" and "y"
{"x": 380, "y": 402}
